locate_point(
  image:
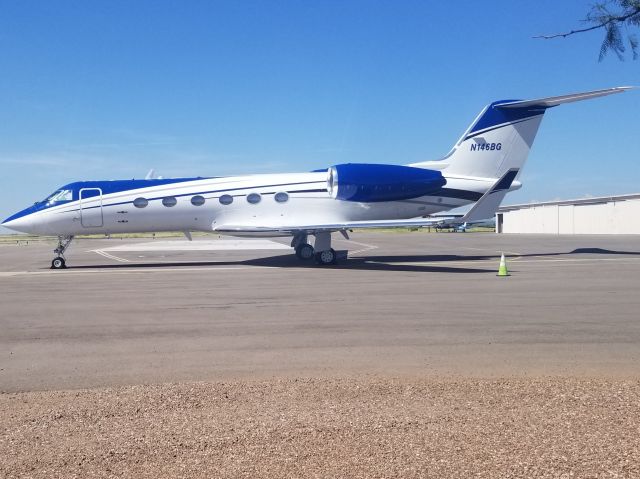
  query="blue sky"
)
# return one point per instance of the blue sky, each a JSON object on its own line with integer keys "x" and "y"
{"x": 110, "y": 89}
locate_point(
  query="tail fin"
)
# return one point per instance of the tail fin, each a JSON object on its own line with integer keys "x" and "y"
{"x": 500, "y": 138}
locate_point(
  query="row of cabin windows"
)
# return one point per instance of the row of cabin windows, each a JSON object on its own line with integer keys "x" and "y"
{"x": 253, "y": 198}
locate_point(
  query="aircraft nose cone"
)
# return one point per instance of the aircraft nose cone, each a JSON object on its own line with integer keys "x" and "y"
{"x": 22, "y": 221}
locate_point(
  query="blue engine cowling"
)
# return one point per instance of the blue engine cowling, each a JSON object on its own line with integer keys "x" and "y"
{"x": 368, "y": 183}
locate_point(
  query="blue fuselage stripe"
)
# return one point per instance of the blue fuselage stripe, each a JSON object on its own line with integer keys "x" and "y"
{"x": 211, "y": 192}
{"x": 482, "y": 132}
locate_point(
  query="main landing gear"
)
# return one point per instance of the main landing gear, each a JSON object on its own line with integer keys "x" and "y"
{"x": 326, "y": 257}
{"x": 322, "y": 251}
{"x": 63, "y": 243}
{"x": 304, "y": 252}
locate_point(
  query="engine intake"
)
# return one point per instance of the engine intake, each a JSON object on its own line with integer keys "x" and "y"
{"x": 368, "y": 183}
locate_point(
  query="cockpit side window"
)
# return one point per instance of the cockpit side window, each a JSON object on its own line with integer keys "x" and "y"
{"x": 58, "y": 196}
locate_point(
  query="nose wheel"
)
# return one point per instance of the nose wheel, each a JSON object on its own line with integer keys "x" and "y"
{"x": 59, "y": 261}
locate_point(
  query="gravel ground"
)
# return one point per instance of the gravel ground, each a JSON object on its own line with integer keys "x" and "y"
{"x": 348, "y": 427}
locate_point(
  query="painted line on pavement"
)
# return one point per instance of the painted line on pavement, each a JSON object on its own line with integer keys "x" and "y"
{"x": 199, "y": 245}
{"x": 110, "y": 256}
{"x": 366, "y": 247}
{"x": 142, "y": 270}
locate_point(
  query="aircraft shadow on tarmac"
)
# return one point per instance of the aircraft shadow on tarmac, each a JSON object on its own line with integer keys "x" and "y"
{"x": 371, "y": 263}
{"x": 496, "y": 256}
{"x": 378, "y": 263}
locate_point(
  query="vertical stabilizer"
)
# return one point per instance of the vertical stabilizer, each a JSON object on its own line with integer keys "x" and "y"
{"x": 500, "y": 138}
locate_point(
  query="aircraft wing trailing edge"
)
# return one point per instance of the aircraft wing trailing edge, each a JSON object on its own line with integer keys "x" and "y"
{"x": 329, "y": 227}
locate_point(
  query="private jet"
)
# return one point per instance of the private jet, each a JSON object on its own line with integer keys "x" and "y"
{"x": 481, "y": 168}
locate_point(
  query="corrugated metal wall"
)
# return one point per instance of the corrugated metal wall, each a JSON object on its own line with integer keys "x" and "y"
{"x": 614, "y": 217}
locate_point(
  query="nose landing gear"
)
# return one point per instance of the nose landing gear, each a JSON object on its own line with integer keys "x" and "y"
{"x": 63, "y": 243}
{"x": 58, "y": 263}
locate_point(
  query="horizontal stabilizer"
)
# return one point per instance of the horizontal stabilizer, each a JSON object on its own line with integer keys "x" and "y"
{"x": 489, "y": 203}
{"x": 558, "y": 100}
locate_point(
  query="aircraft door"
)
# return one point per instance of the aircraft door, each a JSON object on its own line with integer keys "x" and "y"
{"x": 91, "y": 208}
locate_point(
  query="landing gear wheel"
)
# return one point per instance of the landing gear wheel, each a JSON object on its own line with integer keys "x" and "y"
{"x": 63, "y": 243}
{"x": 304, "y": 252}
{"x": 58, "y": 263}
{"x": 326, "y": 257}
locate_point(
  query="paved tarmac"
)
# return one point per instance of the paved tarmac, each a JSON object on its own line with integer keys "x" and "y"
{"x": 404, "y": 304}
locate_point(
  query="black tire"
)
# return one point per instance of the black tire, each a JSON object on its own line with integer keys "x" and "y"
{"x": 326, "y": 257}
{"x": 304, "y": 252}
{"x": 58, "y": 263}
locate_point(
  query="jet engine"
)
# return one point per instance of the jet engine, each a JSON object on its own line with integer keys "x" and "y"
{"x": 368, "y": 183}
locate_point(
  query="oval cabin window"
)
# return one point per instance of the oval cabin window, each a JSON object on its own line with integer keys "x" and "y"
{"x": 253, "y": 198}
{"x": 197, "y": 200}
{"x": 140, "y": 202}
{"x": 281, "y": 197}
{"x": 226, "y": 199}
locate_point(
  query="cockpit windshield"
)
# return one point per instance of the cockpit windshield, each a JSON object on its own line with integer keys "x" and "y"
{"x": 60, "y": 195}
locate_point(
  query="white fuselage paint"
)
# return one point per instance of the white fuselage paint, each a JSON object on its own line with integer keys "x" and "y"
{"x": 116, "y": 213}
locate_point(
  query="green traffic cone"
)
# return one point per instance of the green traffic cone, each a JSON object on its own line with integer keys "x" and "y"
{"x": 502, "y": 270}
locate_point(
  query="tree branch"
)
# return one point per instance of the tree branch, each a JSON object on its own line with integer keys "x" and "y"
{"x": 621, "y": 19}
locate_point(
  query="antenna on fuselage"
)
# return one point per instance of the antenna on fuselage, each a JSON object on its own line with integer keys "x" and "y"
{"x": 152, "y": 175}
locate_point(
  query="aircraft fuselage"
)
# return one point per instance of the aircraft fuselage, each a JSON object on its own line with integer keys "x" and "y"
{"x": 202, "y": 204}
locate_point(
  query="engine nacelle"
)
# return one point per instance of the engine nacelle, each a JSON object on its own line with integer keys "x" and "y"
{"x": 368, "y": 183}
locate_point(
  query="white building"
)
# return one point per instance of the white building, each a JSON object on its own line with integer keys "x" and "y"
{"x": 604, "y": 215}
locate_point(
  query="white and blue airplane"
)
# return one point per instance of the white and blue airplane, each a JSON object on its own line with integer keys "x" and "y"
{"x": 482, "y": 167}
